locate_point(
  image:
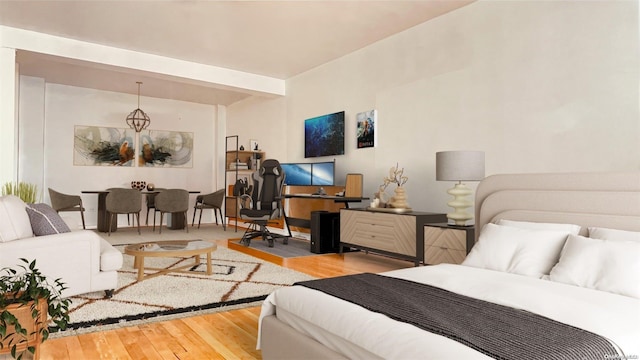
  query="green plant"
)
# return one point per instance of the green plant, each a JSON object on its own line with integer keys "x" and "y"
{"x": 28, "y": 287}
{"x": 25, "y": 191}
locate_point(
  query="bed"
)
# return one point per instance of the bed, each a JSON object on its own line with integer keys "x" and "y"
{"x": 562, "y": 247}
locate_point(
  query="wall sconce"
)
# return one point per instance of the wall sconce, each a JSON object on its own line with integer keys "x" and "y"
{"x": 460, "y": 166}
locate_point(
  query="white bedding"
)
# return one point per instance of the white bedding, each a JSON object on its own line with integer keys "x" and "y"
{"x": 359, "y": 333}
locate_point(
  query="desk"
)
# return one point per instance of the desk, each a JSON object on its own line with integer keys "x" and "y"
{"x": 306, "y": 223}
{"x": 177, "y": 222}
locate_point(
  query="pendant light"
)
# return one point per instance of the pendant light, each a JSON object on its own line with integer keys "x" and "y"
{"x": 138, "y": 120}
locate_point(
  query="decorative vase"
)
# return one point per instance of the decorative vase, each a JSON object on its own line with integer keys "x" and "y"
{"x": 138, "y": 185}
{"x": 399, "y": 200}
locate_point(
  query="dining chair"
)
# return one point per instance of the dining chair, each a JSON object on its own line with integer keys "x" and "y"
{"x": 123, "y": 201}
{"x": 150, "y": 200}
{"x": 174, "y": 201}
{"x": 63, "y": 202}
{"x": 209, "y": 201}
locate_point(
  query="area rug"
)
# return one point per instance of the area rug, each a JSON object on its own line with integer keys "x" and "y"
{"x": 238, "y": 280}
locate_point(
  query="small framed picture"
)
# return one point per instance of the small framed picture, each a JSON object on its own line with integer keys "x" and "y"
{"x": 253, "y": 145}
{"x": 366, "y": 129}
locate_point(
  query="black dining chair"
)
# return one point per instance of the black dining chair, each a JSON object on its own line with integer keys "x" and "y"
{"x": 123, "y": 201}
{"x": 174, "y": 201}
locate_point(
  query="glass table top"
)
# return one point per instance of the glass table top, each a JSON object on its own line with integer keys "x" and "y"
{"x": 171, "y": 246}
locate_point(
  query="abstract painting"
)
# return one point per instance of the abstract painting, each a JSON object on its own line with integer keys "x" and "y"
{"x": 324, "y": 135}
{"x": 166, "y": 149}
{"x": 366, "y": 129}
{"x": 103, "y": 146}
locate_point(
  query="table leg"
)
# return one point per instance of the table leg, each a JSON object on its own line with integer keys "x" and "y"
{"x": 103, "y": 215}
{"x": 197, "y": 259}
{"x": 176, "y": 221}
{"x": 209, "y": 269}
{"x": 140, "y": 267}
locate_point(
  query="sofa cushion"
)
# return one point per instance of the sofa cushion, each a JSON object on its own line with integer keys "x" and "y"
{"x": 14, "y": 221}
{"x": 45, "y": 220}
{"x": 110, "y": 257}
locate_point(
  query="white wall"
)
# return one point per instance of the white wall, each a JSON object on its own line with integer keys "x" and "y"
{"x": 60, "y": 108}
{"x": 539, "y": 86}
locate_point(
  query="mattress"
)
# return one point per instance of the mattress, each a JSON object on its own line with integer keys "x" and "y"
{"x": 358, "y": 333}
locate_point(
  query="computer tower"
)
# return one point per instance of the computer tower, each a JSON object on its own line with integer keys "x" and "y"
{"x": 325, "y": 232}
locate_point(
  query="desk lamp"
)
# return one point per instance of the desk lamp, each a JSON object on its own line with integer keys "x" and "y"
{"x": 460, "y": 166}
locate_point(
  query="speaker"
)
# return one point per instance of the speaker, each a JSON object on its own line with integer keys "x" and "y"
{"x": 325, "y": 232}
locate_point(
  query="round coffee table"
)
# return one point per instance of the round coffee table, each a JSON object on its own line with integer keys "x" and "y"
{"x": 169, "y": 248}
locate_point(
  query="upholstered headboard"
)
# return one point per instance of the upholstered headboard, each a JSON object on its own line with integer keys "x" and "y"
{"x": 610, "y": 200}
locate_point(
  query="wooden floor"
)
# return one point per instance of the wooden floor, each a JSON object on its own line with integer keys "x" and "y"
{"x": 225, "y": 335}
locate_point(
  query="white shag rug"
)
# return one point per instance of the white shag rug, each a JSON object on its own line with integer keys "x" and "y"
{"x": 238, "y": 280}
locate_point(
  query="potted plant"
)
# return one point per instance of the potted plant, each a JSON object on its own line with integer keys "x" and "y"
{"x": 27, "y": 300}
{"x": 25, "y": 191}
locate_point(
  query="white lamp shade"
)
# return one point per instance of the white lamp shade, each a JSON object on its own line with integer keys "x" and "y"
{"x": 460, "y": 165}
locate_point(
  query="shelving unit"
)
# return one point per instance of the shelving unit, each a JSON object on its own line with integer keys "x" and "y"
{"x": 233, "y": 172}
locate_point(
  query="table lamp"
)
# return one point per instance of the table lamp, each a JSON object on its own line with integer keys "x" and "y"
{"x": 460, "y": 166}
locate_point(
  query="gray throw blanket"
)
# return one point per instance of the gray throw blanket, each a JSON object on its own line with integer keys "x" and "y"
{"x": 498, "y": 331}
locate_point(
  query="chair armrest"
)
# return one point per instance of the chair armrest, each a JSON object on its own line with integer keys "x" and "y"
{"x": 244, "y": 200}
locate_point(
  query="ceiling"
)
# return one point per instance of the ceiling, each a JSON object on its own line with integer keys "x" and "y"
{"x": 278, "y": 39}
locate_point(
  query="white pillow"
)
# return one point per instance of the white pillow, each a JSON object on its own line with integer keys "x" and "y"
{"x": 613, "y": 234}
{"x": 14, "y": 221}
{"x": 606, "y": 265}
{"x": 516, "y": 250}
{"x": 570, "y": 228}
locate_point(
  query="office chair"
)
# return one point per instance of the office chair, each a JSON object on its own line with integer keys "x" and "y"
{"x": 209, "y": 201}
{"x": 174, "y": 201}
{"x": 123, "y": 201}
{"x": 64, "y": 202}
{"x": 265, "y": 203}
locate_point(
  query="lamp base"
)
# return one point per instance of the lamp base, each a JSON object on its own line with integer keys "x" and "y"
{"x": 459, "y": 203}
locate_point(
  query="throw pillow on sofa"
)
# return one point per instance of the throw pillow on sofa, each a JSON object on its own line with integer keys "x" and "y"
{"x": 45, "y": 220}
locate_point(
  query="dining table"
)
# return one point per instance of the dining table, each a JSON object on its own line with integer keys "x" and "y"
{"x": 175, "y": 221}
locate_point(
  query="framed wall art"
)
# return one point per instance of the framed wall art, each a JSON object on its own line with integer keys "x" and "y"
{"x": 160, "y": 148}
{"x": 103, "y": 146}
{"x": 366, "y": 129}
{"x": 324, "y": 135}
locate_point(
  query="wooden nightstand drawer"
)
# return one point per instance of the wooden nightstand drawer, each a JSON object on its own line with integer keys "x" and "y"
{"x": 437, "y": 255}
{"x": 445, "y": 238}
{"x": 445, "y": 243}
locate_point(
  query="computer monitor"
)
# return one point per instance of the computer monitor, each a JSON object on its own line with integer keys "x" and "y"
{"x": 323, "y": 173}
{"x": 317, "y": 174}
{"x": 297, "y": 173}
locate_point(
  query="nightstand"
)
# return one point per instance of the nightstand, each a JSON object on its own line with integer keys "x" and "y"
{"x": 446, "y": 243}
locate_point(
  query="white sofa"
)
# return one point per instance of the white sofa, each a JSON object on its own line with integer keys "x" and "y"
{"x": 83, "y": 260}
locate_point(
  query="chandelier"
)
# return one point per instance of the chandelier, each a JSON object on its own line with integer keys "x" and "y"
{"x": 138, "y": 120}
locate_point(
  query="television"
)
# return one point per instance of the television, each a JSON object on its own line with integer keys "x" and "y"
{"x": 318, "y": 174}
{"x": 324, "y": 135}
